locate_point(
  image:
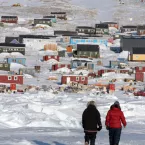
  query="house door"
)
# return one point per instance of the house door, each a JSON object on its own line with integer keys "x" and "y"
{"x": 68, "y": 80}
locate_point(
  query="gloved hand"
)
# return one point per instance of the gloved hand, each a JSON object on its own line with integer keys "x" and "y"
{"x": 107, "y": 127}
{"x": 100, "y": 127}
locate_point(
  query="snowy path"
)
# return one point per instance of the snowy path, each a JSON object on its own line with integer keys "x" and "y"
{"x": 49, "y": 136}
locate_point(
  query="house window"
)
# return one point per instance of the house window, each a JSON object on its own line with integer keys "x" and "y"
{"x": 6, "y": 65}
{"x": 140, "y": 68}
{"x": 19, "y": 61}
{"x": 15, "y": 78}
{"x": 1, "y": 65}
{"x": 83, "y": 78}
{"x": 9, "y": 78}
{"x": 77, "y": 78}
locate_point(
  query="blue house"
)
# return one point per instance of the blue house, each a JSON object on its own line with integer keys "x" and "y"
{"x": 98, "y": 41}
{"x": 10, "y": 60}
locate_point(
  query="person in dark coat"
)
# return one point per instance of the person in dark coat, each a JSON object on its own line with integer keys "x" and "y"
{"x": 91, "y": 122}
{"x": 113, "y": 122}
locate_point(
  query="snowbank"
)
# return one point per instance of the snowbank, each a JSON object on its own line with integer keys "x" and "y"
{"x": 16, "y": 66}
{"x": 63, "y": 70}
{"x": 27, "y": 76}
{"x": 124, "y": 55}
{"x": 21, "y": 29}
{"x": 48, "y": 52}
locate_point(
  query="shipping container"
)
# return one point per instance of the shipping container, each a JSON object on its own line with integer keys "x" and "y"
{"x": 140, "y": 77}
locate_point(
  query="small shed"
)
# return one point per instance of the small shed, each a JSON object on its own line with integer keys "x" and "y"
{"x": 140, "y": 76}
{"x": 66, "y": 79}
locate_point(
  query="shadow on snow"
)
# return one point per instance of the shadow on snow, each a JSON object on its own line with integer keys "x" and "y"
{"x": 43, "y": 143}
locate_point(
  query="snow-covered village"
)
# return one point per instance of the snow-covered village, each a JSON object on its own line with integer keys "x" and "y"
{"x": 72, "y": 72}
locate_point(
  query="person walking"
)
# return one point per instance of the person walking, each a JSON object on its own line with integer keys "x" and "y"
{"x": 113, "y": 122}
{"x": 91, "y": 122}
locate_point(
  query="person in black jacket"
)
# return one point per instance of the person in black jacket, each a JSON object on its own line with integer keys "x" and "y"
{"x": 91, "y": 122}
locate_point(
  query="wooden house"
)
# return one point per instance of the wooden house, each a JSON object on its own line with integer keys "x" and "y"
{"x": 127, "y": 43}
{"x": 141, "y": 29}
{"x": 102, "y": 29}
{"x": 7, "y": 78}
{"x": 36, "y": 41}
{"x": 53, "y": 18}
{"x": 140, "y": 76}
{"x": 128, "y": 28}
{"x": 18, "y": 60}
{"x": 58, "y": 66}
{"x": 48, "y": 57}
{"x": 9, "y": 19}
{"x": 88, "y": 50}
{"x": 43, "y": 21}
{"x": 60, "y": 15}
{"x": 75, "y": 63}
{"x": 66, "y": 79}
{"x": 10, "y": 47}
{"x": 14, "y": 40}
{"x": 27, "y": 70}
{"x": 111, "y": 24}
{"x": 85, "y": 30}
{"x": 140, "y": 69}
{"x": 4, "y": 66}
{"x": 138, "y": 54}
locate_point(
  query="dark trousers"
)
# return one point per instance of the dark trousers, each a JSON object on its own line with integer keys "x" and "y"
{"x": 114, "y": 136}
{"x": 90, "y": 137}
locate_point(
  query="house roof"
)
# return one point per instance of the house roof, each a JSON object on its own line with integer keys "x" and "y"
{"x": 129, "y": 26}
{"x": 42, "y": 19}
{"x": 88, "y": 47}
{"x": 9, "y": 17}
{"x": 133, "y": 37}
{"x": 37, "y": 36}
{"x": 62, "y": 32}
{"x": 141, "y": 27}
{"x": 58, "y": 12}
{"x": 12, "y": 45}
{"x": 10, "y": 39}
{"x": 84, "y": 27}
{"x": 108, "y": 23}
{"x": 49, "y": 17}
{"x": 101, "y": 25}
{"x": 138, "y": 50}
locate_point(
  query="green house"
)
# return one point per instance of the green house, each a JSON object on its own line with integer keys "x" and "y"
{"x": 43, "y": 21}
{"x": 4, "y": 66}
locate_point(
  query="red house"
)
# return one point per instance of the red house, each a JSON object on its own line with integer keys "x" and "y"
{"x": 9, "y": 19}
{"x": 102, "y": 71}
{"x": 65, "y": 79}
{"x": 11, "y": 79}
{"x": 140, "y": 77}
{"x": 58, "y": 66}
{"x": 48, "y": 57}
{"x": 139, "y": 69}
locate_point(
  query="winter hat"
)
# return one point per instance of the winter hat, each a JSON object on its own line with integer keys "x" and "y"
{"x": 116, "y": 103}
{"x": 91, "y": 103}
